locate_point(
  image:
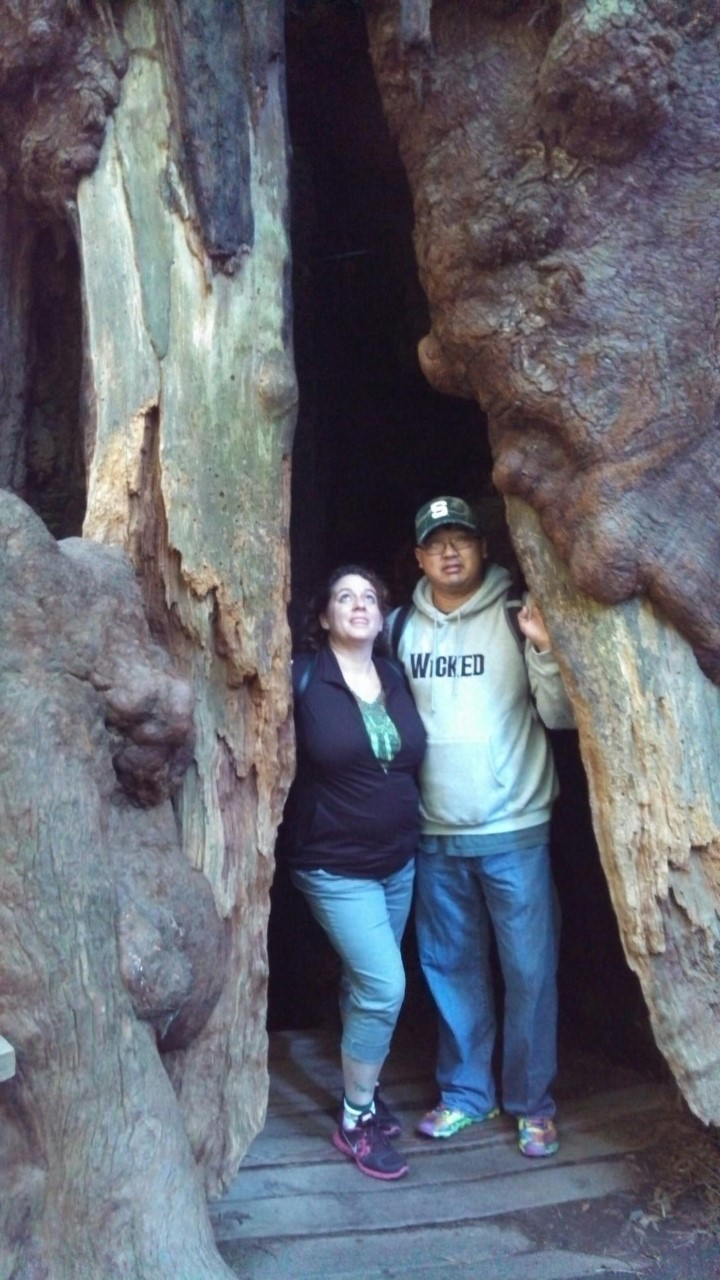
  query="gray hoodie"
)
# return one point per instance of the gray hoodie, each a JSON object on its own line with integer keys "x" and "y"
{"x": 488, "y": 767}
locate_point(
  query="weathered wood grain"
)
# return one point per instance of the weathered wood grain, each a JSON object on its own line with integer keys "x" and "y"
{"x": 649, "y": 725}
{"x": 298, "y": 1208}
{"x": 192, "y": 400}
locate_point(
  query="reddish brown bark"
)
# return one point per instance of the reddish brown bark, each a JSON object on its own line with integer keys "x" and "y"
{"x": 564, "y": 161}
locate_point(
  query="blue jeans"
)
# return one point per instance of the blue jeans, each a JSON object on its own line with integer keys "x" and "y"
{"x": 459, "y": 900}
{"x": 365, "y": 921}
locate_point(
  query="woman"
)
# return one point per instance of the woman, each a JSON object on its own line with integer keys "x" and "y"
{"x": 351, "y": 832}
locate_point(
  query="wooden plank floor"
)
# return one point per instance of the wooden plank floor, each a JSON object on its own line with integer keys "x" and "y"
{"x": 299, "y": 1210}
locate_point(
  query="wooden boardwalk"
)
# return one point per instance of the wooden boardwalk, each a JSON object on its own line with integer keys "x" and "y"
{"x": 299, "y": 1210}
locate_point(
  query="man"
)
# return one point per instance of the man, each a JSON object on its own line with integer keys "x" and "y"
{"x": 487, "y": 784}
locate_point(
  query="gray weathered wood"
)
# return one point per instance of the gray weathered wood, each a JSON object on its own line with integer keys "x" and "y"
{"x": 298, "y": 1208}
{"x": 487, "y": 1151}
{"x": 649, "y": 725}
{"x": 435, "y": 1253}
{"x": 190, "y": 423}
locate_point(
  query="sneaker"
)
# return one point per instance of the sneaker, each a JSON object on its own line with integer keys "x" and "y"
{"x": 389, "y": 1123}
{"x": 370, "y": 1148}
{"x": 443, "y": 1122}
{"x": 537, "y": 1136}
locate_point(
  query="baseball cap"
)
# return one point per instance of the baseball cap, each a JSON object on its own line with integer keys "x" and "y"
{"x": 440, "y": 511}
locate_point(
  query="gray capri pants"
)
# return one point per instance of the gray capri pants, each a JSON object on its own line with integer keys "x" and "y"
{"x": 365, "y": 921}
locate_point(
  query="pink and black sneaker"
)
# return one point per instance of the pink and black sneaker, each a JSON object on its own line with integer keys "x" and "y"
{"x": 370, "y": 1148}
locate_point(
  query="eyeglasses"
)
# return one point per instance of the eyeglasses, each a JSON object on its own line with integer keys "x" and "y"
{"x": 458, "y": 542}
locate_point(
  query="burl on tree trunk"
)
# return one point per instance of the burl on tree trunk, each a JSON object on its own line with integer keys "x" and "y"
{"x": 111, "y": 942}
{"x": 170, "y": 117}
{"x": 564, "y": 160}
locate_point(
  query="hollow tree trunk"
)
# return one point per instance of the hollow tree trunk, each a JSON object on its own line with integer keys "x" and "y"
{"x": 649, "y": 725}
{"x": 564, "y": 162}
{"x": 192, "y": 396}
{"x": 138, "y": 822}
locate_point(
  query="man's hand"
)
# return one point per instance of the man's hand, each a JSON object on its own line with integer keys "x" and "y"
{"x": 533, "y": 626}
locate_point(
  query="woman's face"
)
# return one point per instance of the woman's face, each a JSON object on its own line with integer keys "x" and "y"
{"x": 353, "y": 613}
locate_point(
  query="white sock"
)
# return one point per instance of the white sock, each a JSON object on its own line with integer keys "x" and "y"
{"x": 351, "y": 1113}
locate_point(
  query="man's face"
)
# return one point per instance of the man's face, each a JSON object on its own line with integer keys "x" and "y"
{"x": 451, "y": 558}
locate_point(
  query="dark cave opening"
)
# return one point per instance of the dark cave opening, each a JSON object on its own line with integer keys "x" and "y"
{"x": 373, "y": 442}
{"x": 55, "y": 482}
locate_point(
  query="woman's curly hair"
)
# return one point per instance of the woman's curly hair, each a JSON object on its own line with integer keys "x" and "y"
{"x": 312, "y": 634}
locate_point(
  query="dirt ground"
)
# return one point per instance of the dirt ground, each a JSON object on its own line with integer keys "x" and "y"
{"x": 670, "y": 1226}
{"x": 678, "y": 1247}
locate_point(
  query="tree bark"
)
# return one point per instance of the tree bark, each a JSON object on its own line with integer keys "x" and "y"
{"x": 130, "y": 928}
{"x": 192, "y": 394}
{"x": 109, "y": 939}
{"x": 563, "y": 161}
{"x": 649, "y": 726}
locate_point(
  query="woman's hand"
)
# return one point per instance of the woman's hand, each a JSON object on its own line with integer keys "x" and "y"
{"x": 533, "y": 626}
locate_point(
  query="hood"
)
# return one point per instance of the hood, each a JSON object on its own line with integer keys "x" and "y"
{"x": 494, "y": 584}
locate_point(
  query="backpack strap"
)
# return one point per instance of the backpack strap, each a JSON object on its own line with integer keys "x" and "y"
{"x": 397, "y": 626}
{"x": 513, "y": 604}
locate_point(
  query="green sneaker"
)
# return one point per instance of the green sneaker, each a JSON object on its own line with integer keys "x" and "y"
{"x": 443, "y": 1122}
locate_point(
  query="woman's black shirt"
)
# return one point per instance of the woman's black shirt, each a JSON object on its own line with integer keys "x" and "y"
{"x": 347, "y": 812}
